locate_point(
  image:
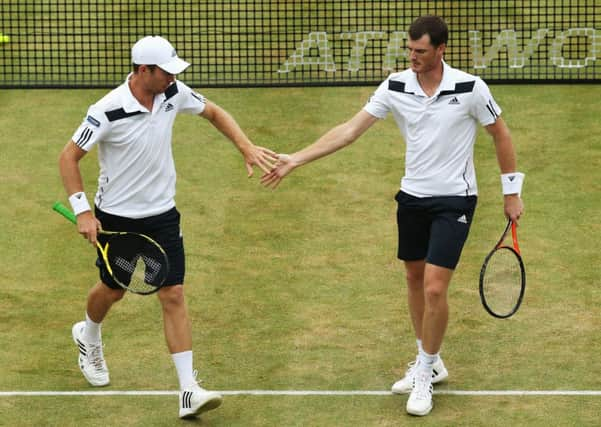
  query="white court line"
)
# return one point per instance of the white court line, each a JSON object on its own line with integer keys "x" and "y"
{"x": 307, "y": 393}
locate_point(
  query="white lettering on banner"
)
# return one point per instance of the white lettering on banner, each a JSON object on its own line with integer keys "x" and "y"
{"x": 325, "y": 59}
{"x": 361, "y": 40}
{"x": 595, "y": 47}
{"x": 395, "y": 49}
{"x": 506, "y": 38}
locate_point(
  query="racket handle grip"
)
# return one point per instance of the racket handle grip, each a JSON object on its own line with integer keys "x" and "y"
{"x": 64, "y": 211}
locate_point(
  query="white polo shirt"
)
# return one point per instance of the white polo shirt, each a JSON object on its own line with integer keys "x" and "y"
{"x": 137, "y": 172}
{"x": 439, "y": 131}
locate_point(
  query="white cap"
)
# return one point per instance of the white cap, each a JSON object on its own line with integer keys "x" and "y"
{"x": 155, "y": 50}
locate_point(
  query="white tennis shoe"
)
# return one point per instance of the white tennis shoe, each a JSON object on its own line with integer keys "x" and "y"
{"x": 420, "y": 399}
{"x": 196, "y": 400}
{"x": 405, "y": 384}
{"x": 91, "y": 358}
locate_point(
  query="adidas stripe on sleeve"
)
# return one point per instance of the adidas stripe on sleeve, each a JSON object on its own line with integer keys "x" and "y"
{"x": 91, "y": 130}
{"x": 484, "y": 108}
{"x": 190, "y": 102}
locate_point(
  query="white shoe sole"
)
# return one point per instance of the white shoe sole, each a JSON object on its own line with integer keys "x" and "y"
{"x": 212, "y": 401}
{"x": 417, "y": 412}
{"x": 439, "y": 377}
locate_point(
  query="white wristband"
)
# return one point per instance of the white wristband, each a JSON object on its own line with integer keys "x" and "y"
{"x": 79, "y": 203}
{"x": 512, "y": 183}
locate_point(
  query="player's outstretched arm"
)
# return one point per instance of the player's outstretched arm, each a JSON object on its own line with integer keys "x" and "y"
{"x": 333, "y": 140}
{"x": 227, "y": 125}
{"x": 283, "y": 167}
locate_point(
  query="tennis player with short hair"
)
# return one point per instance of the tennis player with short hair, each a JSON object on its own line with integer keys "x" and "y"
{"x": 132, "y": 126}
{"x": 437, "y": 109}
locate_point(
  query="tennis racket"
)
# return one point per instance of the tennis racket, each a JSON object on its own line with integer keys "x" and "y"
{"x": 503, "y": 277}
{"x": 134, "y": 261}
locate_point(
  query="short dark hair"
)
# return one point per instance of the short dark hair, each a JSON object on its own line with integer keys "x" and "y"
{"x": 432, "y": 25}
{"x": 136, "y": 66}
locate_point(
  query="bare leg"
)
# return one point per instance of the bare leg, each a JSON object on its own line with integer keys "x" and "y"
{"x": 100, "y": 300}
{"x": 178, "y": 331}
{"x": 415, "y": 293}
{"x": 436, "y": 308}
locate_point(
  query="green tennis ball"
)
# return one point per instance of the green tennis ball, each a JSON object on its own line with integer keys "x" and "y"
{"x": 4, "y": 39}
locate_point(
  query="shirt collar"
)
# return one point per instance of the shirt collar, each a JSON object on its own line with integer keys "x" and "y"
{"x": 447, "y": 82}
{"x": 128, "y": 100}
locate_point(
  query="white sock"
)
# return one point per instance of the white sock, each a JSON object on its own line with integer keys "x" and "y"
{"x": 426, "y": 360}
{"x": 91, "y": 332}
{"x": 420, "y": 348}
{"x": 183, "y": 366}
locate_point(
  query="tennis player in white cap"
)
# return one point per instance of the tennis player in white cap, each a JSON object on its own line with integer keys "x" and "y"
{"x": 132, "y": 127}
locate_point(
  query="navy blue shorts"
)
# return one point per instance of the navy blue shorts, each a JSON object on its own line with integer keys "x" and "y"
{"x": 163, "y": 228}
{"x": 433, "y": 228}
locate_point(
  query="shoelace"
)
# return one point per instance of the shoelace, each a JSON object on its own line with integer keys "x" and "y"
{"x": 96, "y": 357}
{"x": 411, "y": 368}
{"x": 197, "y": 382}
{"x": 422, "y": 386}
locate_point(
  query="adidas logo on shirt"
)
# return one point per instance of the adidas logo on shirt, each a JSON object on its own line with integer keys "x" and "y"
{"x": 462, "y": 219}
{"x": 169, "y": 107}
{"x": 454, "y": 101}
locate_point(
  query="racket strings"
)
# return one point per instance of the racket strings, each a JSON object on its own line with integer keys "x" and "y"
{"x": 137, "y": 263}
{"x": 140, "y": 266}
{"x": 502, "y": 281}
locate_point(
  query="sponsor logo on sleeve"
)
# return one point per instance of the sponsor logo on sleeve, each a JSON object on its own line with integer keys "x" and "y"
{"x": 93, "y": 121}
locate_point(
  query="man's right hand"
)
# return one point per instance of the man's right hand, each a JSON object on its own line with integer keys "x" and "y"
{"x": 88, "y": 226}
{"x": 283, "y": 167}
